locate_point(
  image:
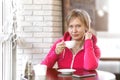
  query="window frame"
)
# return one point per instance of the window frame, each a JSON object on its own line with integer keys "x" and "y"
{"x": 6, "y": 51}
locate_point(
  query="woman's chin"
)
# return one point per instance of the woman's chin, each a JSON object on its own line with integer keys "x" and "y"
{"x": 76, "y": 38}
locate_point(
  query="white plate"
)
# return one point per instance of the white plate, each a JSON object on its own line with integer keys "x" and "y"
{"x": 66, "y": 71}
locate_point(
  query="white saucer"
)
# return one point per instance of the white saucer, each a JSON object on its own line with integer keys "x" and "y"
{"x": 66, "y": 71}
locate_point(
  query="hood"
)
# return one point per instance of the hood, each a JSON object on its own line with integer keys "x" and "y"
{"x": 94, "y": 39}
{"x": 67, "y": 37}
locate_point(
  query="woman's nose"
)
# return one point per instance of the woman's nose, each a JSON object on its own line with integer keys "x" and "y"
{"x": 74, "y": 29}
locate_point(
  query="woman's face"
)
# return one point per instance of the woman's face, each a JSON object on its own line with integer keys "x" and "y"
{"x": 76, "y": 29}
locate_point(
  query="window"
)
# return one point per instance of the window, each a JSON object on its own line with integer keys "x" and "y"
{"x": 109, "y": 40}
{"x": 1, "y": 59}
{"x": 6, "y": 54}
{"x": 110, "y": 7}
{"x": 114, "y": 11}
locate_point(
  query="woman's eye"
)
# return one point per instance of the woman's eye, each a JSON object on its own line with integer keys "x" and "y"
{"x": 70, "y": 26}
{"x": 78, "y": 26}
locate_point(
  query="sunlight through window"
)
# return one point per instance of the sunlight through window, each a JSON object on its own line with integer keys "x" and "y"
{"x": 114, "y": 16}
{"x": 0, "y": 16}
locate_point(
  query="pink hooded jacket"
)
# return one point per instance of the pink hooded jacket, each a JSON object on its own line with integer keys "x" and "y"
{"x": 86, "y": 58}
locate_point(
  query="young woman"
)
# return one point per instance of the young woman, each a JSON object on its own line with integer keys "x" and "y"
{"x": 85, "y": 54}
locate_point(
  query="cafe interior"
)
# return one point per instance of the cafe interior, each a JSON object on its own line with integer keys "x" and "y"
{"x": 28, "y": 28}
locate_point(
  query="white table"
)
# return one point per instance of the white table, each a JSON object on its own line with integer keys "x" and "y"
{"x": 104, "y": 75}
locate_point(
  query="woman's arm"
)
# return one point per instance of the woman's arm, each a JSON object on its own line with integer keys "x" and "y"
{"x": 51, "y": 57}
{"x": 92, "y": 55}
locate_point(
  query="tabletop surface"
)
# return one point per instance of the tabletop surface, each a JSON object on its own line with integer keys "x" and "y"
{"x": 53, "y": 74}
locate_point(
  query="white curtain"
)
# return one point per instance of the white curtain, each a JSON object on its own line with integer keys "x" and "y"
{"x": 8, "y": 39}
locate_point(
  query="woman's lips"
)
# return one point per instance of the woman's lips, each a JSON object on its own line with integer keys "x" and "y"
{"x": 74, "y": 35}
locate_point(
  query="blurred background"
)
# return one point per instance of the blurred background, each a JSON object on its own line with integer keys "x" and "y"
{"x": 28, "y": 29}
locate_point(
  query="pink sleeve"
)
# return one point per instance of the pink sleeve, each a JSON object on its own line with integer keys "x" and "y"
{"x": 92, "y": 55}
{"x": 51, "y": 57}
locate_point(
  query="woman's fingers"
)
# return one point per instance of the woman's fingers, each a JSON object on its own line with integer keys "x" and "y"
{"x": 88, "y": 35}
{"x": 60, "y": 47}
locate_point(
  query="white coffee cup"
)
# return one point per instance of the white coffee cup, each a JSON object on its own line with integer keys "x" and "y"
{"x": 40, "y": 77}
{"x": 70, "y": 44}
{"x": 40, "y": 71}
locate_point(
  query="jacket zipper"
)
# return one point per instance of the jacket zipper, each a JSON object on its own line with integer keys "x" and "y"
{"x": 72, "y": 61}
{"x": 74, "y": 58}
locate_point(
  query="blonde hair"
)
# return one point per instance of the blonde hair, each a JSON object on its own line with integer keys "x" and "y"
{"x": 81, "y": 14}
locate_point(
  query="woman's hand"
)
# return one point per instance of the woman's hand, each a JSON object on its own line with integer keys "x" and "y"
{"x": 60, "y": 47}
{"x": 88, "y": 35}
